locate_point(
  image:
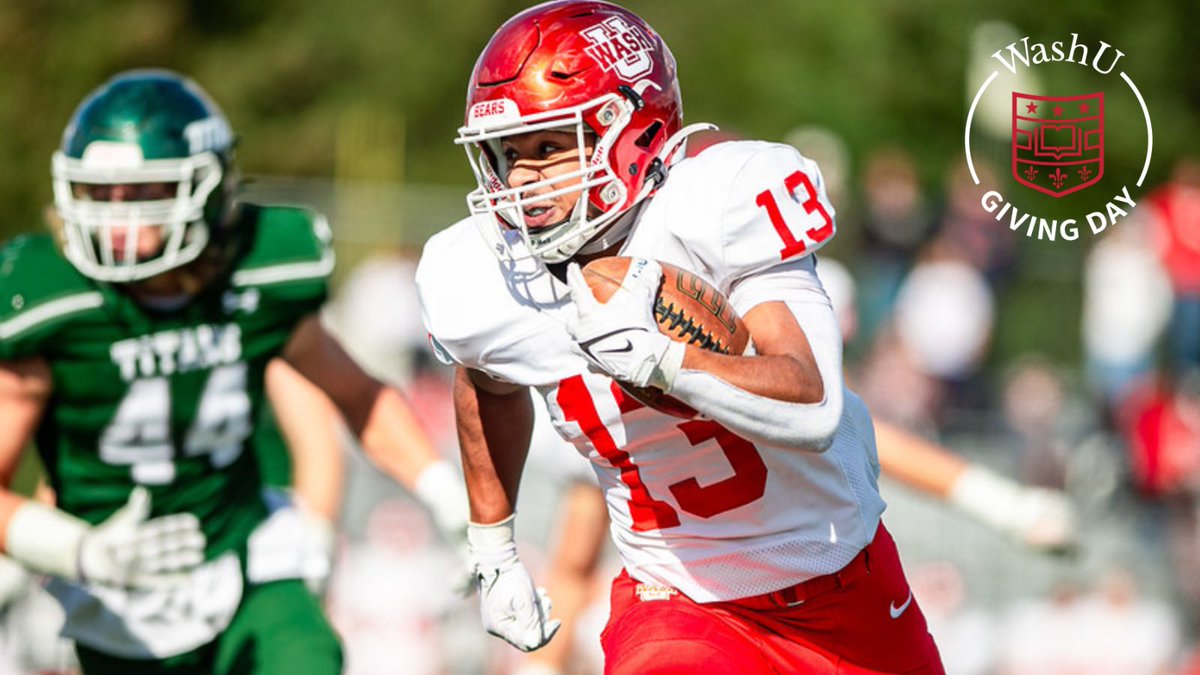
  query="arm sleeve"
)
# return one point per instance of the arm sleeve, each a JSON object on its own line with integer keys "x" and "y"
{"x": 804, "y": 426}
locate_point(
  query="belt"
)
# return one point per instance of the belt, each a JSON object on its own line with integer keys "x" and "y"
{"x": 798, "y": 594}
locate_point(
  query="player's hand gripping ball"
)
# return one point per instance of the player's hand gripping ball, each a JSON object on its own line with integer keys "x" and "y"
{"x": 687, "y": 309}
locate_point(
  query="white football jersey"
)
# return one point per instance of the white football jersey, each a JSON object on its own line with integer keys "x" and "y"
{"x": 693, "y": 505}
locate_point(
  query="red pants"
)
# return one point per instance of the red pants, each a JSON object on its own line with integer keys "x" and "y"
{"x": 839, "y": 623}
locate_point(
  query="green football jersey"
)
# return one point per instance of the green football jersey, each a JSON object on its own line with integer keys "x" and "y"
{"x": 168, "y": 400}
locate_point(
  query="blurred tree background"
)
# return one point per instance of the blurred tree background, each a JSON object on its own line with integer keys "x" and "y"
{"x": 353, "y": 106}
{"x": 368, "y": 92}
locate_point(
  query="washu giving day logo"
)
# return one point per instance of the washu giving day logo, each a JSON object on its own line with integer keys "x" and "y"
{"x": 1041, "y": 132}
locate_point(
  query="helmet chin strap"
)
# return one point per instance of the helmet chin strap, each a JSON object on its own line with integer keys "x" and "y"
{"x": 676, "y": 146}
{"x": 614, "y": 233}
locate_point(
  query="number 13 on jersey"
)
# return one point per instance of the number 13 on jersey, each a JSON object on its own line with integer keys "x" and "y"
{"x": 746, "y": 485}
{"x": 798, "y": 187}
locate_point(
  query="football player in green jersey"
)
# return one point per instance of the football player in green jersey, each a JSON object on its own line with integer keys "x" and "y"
{"x": 132, "y": 352}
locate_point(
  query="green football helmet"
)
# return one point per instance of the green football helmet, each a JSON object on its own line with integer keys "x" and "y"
{"x": 144, "y": 177}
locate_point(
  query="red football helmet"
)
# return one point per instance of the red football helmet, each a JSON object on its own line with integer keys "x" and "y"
{"x": 585, "y": 67}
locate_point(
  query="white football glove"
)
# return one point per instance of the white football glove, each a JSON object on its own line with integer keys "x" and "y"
{"x": 14, "y": 581}
{"x": 320, "y": 546}
{"x": 128, "y": 549}
{"x": 509, "y": 605}
{"x": 621, "y": 336}
{"x": 293, "y": 542}
{"x": 1040, "y": 518}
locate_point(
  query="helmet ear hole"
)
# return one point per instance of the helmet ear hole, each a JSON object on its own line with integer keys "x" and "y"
{"x": 647, "y": 138}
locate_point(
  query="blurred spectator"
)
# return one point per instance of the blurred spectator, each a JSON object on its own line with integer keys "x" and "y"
{"x": 965, "y": 634}
{"x": 842, "y": 291}
{"x": 377, "y": 314}
{"x": 931, "y": 351}
{"x": 895, "y": 388}
{"x": 1042, "y": 519}
{"x": 1126, "y": 305}
{"x": 1136, "y": 634}
{"x": 896, "y": 223}
{"x": 383, "y": 602}
{"x": 392, "y": 592}
{"x": 944, "y": 315}
{"x": 971, "y": 233}
{"x": 1162, "y": 429}
{"x": 1175, "y": 208}
{"x": 1040, "y": 635}
{"x": 888, "y": 368}
{"x": 1111, "y": 630}
{"x": 828, "y": 149}
{"x": 1034, "y": 402}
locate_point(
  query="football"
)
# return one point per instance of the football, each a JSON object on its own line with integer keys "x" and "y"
{"x": 687, "y": 308}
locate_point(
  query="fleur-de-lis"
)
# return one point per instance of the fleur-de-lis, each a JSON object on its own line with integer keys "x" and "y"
{"x": 1084, "y": 172}
{"x": 1058, "y": 178}
{"x": 1031, "y": 172}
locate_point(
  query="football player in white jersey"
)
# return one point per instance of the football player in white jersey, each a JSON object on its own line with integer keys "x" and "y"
{"x": 751, "y": 535}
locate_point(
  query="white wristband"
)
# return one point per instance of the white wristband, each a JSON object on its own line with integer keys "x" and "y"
{"x": 493, "y": 545}
{"x": 435, "y": 480}
{"x": 988, "y": 496}
{"x": 668, "y": 365}
{"x": 440, "y": 488}
{"x": 45, "y": 539}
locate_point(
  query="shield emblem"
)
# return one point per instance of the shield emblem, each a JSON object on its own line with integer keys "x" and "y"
{"x": 1058, "y": 142}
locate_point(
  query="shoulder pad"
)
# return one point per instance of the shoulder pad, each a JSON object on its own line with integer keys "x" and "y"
{"x": 444, "y": 290}
{"x": 771, "y": 203}
{"x": 288, "y": 245}
{"x": 39, "y": 291}
{"x": 486, "y": 314}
